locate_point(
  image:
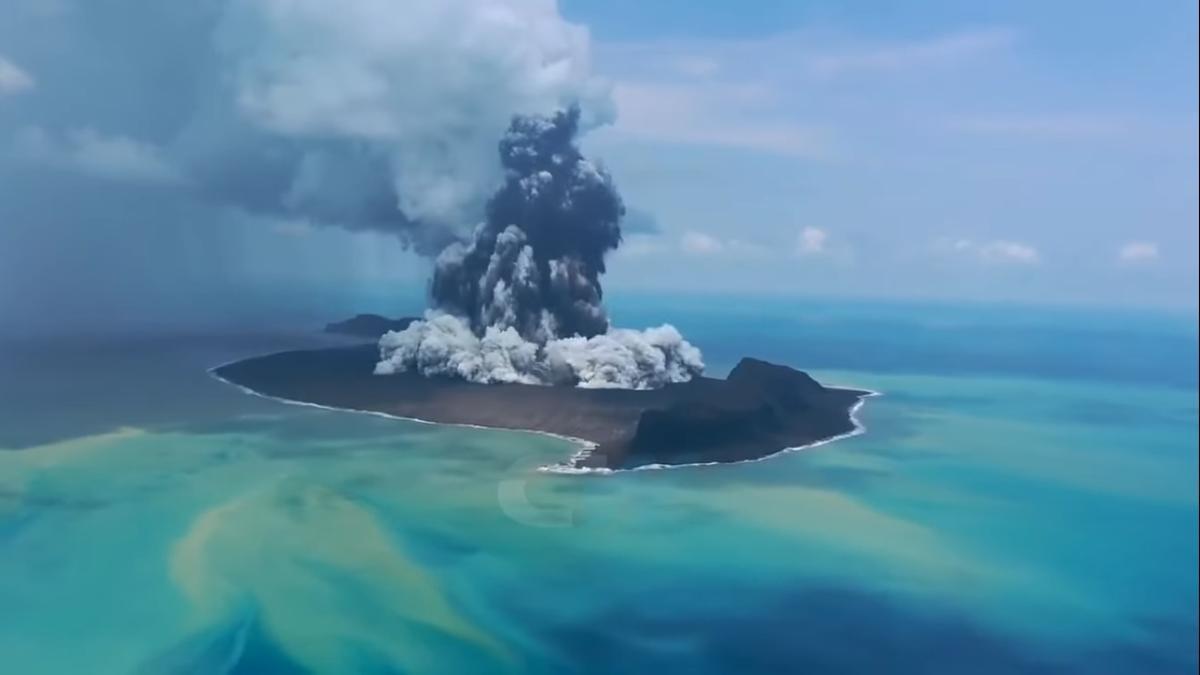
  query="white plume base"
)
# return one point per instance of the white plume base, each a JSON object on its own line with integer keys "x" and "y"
{"x": 443, "y": 345}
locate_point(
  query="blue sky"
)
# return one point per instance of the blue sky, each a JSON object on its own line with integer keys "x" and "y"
{"x": 1031, "y": 152}
{"x": 1024, "y": 151}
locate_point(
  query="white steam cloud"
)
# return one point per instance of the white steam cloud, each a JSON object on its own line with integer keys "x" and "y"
{"x": 366, "y": 114}
{"x": 443, "y": 345}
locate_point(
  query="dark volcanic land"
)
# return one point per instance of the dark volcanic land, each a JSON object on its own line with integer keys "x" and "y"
{"x": 760, "y": 409}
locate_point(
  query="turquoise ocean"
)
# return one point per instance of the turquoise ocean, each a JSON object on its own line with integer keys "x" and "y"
{"x": 1024, "y": 500}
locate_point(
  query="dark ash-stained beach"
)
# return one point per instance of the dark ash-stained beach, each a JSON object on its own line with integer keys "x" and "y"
{"x": 759, "y": 410}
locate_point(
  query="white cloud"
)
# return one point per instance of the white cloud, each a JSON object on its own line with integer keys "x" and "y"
{"x": 699, "y": 243}
{"x": 948, "y": 49}
{"x": 1138, "y": 252}
{"x": 88, "y": 151}
{"x": 13, "y": 79}
{"x": 811, "y": 241}
{"x": 321, "y": 110}
{"x": 361, "y": 73}
{"x": 996, "y": 251}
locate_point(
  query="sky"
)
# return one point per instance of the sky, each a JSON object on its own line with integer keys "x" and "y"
{"x": 1024, "y": 151}
{"x": 166, "y": 162}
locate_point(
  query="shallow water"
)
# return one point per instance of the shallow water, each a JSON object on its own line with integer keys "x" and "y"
{"x": 998, "y": 516}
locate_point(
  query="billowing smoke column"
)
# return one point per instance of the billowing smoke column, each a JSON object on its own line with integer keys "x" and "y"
{"x": 535, "y": 262}
{"x": 522, "y": 302}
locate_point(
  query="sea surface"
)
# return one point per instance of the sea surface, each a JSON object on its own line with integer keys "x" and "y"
{"x": 1024, "y": 500}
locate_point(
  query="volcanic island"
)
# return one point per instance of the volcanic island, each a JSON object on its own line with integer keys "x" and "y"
{"x": 759, "y": 410}
{"x": 517, "y": 336}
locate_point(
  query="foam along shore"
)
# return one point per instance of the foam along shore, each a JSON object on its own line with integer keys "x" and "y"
{"x": 759, "y": 410}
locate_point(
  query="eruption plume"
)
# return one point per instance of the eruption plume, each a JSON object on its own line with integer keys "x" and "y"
{"x": 522, "y": 301}
{"x": 535, "y": 262}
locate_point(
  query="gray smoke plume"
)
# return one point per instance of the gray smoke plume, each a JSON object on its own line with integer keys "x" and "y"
{"x": 377, "y": 116}
{"x": 366, "y": 115}
{"x": 522, "y": 301}
{"x": 535, "y": 262}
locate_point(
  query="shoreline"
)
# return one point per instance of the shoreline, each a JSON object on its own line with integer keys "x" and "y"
{"x": 859, "y": 430}
{"x": 625, "y": 437}
{"x": 212, "y": 372}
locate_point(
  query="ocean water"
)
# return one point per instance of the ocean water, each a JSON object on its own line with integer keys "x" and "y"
{"x": 1024, "y": 500}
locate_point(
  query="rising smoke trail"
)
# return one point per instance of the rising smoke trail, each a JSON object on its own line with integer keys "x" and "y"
{"x": 522, "y": 301}
{"x": 535, "y": 262}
